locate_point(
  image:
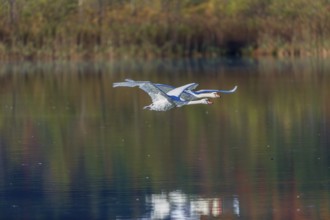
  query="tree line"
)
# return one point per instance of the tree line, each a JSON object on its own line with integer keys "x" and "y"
{"x": 84, "y": 29}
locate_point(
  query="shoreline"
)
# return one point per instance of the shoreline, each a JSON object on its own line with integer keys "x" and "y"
{"x": 131, "y": 53}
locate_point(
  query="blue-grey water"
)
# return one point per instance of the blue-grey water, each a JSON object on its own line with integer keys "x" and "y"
{"x": 74, "y": 147}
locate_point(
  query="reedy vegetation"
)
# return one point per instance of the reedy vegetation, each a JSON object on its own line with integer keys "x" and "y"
{"x": 80, "y": 29}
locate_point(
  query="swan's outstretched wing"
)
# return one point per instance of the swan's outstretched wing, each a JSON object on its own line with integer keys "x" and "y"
{"x": 153, "y": 91}
{"x": 179, "y": 90}
{"x": 129, "y": 83}
{"x": 213, "y": 90}
{"x": 184, "y": 95}
{"x": 166, "y": 88}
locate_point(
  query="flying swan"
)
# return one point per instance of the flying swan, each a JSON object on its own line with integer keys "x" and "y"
{"x": 163, "y": 101}
{"x": 190, "y": 94}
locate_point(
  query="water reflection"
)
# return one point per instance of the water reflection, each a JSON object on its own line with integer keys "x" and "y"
{"x": 72, "y": 147}
{"x": 177, "y": 205}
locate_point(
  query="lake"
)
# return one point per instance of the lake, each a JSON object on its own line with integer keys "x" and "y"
{"x": 74, "y": 147}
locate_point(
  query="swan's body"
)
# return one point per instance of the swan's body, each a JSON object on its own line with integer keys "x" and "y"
{"x": 164, "y": 105}
{"x": 190, "y": 94}
{"x": 162, "y": 101}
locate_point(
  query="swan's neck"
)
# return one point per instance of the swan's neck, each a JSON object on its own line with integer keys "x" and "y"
{"x": 204, "y": 95}
{"x": 195, "y": 102}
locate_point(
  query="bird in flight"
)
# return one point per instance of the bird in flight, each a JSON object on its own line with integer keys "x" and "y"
{"x": 191, "y": 94}
{"x": 165, "y": 97}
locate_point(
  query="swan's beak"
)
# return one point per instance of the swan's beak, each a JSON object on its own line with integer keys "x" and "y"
{"x": 209, "y": 102}
{"x": 217, "y": 95}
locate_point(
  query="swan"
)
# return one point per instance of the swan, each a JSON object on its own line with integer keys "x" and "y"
{"x": 190, "y": 94}
{"x": 162, "y": 101}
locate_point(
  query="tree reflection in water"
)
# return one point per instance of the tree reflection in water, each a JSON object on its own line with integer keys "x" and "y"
{"x": 72, "y": 146}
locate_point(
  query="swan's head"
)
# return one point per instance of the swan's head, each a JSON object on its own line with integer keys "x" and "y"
{"x": 206, "y": 101}
{"x": 214, "y": 95}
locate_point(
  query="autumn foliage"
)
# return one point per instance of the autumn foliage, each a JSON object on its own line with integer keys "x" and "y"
{"x": 93, "y": 29}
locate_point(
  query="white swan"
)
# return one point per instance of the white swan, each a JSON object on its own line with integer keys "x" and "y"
{"x": 162, "y": 101}
{"x": 190, "y": 94}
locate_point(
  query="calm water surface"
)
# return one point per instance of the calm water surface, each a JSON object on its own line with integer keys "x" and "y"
{"x": 73, "y": 147}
